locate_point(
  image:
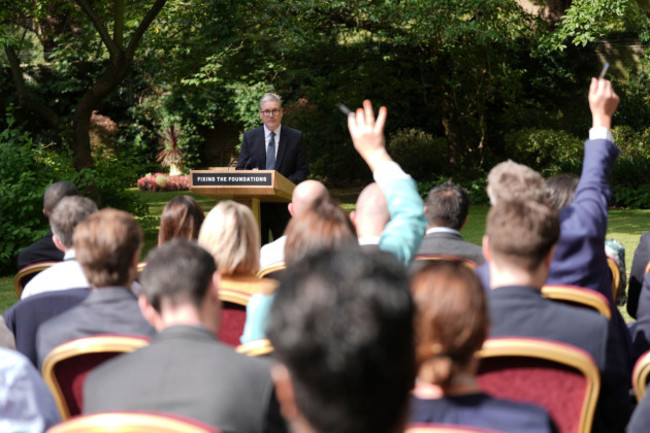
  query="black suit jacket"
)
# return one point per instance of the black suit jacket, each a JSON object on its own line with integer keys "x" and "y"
{"x": 450, "y": 244}
{"x": 43, "y": 250}
{"x": 291, "y": 159}
{"x": 185, "y": 371}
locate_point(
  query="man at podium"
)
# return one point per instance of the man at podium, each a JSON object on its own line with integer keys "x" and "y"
{"x": 274, "y": 147}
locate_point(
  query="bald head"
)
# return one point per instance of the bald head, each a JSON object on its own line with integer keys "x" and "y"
{"x": 371, "y": 214}
{"x": 304, "y": 194}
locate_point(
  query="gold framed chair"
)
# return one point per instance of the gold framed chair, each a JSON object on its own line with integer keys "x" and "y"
{"x": 616, "y": 277}
{"x": 640, "y": 375}
{"x": 445, "y": 428}
{"x": 647, "y": 267}
{"x": 261, "y": 347}
{"x": 272, "y": 270}
{"x": 27, "y": 273}
{"x": 234, "y": 292}
{"x": 131, "y": 422}
{"x": 561, "y": 378}
{"x": 66, "y": 367}
{"x": 578, "y": 295}
{"x": 469, "y": 263}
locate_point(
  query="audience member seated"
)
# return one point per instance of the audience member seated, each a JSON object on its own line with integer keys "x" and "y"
{"x": 181, "y": 218}
{"x": 107, "y": 244}
{"x": 370, "y": 215}
{"x": 641, "y": 259}
{"x": 451, "y": 324}
{"x": 68, "y": 274}
{"x": 446, "y": 210}
{"x": 518, "y": 245}
{"x": 344, "y": 346}
{"x": 44, "y": 250}
{"x": 304, "y": 194}
{"x": 640, "y": 420}
{"x": 26, "y": 404}
{"x": 185, "y": 370}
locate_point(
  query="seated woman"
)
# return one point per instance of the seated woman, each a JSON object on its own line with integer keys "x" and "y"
{"x": 181, "y": 218}
{"x": 324, "y": 224}
{"x": 451, "y": 324}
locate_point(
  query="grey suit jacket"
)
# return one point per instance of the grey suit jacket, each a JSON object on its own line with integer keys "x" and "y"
{"x": 450, "y": 244}
{"x": 186, "y": 371}
{"x": 109, "y": 310}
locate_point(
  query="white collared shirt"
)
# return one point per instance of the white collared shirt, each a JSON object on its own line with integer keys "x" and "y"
{"x": 442, "y": 230}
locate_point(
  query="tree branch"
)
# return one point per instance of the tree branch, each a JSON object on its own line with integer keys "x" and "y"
{"x": 144, "y": 25}
{"x": 114, "y": 50}
{"x": 25, "y": 98}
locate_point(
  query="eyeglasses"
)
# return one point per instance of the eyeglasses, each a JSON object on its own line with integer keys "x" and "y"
{"x": 267, "y": 113}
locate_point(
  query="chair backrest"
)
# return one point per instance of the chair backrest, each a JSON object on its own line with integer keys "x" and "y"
{"x": 261, "y": 347}
{"x": 444, "y": 428}
{"x": 234, "y": 293}
{"x": 578, "y": 296}
{"x": 27, "y": 273}
{"x": 274, "y": 270}
{"x": 26, "y": 315}
{"x": 132, "y": 422}
{"x": 65, "y": 368}
{"x": 469, "y": 263}
{"x": 640, "y": 375}
{"x": 558, "y": 377}
{"x": 616, "y": 277}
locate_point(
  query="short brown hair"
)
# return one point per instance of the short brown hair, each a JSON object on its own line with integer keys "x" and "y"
{"x": 181, "y": 218}
{"x": 451, "y": 319}
{"x": 521, "y": 233}
{"x": 105, "y": 244}
{"x": 231, "y": 234}
{"x": 511, "y": 181}
{"x": 323, "y": 224}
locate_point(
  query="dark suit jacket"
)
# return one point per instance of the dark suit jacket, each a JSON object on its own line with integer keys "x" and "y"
{"x": 186, "y": 371}
{"x": 291, "y": 159}
{"x": 109, "y": 310}
{"x": 450, "y": 244}
{"x": 43, "y": 250}
{"x": 25, "y": 316}
{"x": 481, "y": 410}
{"x": 517, "y": 311}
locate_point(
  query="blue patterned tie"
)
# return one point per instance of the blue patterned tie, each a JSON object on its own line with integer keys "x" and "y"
{"x": 270, "y": 153}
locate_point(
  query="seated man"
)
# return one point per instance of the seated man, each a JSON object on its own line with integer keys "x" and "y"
{"x": 518, "y": 245}
{"x": 370, "y": 215}
{"x": 185, "y": 370}
{"x": 446, "y": 210}
{"x": 68, "y": 274}
{"x": 107, "y": 245}
{"x": 304, "y": 194}
{"x": 345, "y": 347}
{"x": 44, "y": 250}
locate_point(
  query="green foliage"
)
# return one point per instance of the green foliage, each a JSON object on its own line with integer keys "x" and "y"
{"x": 637, "y": 197}
{"x": 21, "y": 196}
{"x": 420, "y": 154}
{"x": 549, "y": 151}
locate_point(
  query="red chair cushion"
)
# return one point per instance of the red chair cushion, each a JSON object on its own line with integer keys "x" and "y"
{"x": 233, "y": 319}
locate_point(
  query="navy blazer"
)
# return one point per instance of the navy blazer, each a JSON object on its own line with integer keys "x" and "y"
{"x": 291, "y": 160}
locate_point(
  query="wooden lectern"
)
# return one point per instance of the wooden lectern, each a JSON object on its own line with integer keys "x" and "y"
{"x": 249, "y": 187}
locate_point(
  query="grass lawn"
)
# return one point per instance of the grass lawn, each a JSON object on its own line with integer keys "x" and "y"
{"x": 624, "y": 225}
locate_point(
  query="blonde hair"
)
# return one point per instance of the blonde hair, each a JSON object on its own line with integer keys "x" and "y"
{"x": 509, "y": 181}
{"x": 230, "y": 233}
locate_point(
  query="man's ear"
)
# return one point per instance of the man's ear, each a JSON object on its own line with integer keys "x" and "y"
{"x": 214, "y": 287}
{"x": 148, "y": 311}
{"x": 292, "y": 211}
{"x": 284, "y": 392}
{"x": 463, "y": 224}
{"x": 353, "y": 218}
{"x": 486, "y": 248}
{"x": 57, "y": 243}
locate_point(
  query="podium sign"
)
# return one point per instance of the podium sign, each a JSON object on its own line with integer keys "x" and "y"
{"x": 249, "y": 187}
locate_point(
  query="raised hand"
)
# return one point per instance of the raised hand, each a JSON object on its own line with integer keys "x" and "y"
{"x": 368, "y": 134}
{"x": 602, "y": 102}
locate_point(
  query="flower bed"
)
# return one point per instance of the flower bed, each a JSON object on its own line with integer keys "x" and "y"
{"x": 163, "y": 182}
